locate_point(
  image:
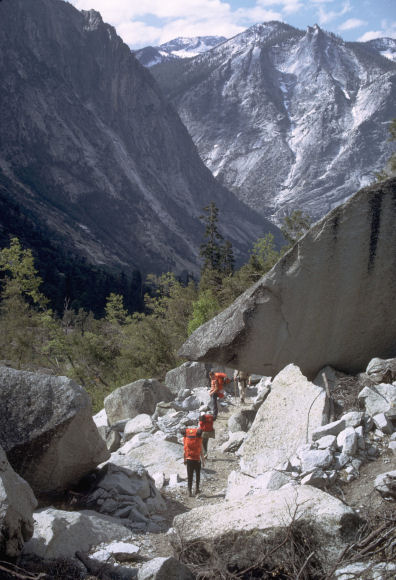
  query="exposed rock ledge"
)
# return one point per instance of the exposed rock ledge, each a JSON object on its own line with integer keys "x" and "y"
{"x": 328, "y": 301}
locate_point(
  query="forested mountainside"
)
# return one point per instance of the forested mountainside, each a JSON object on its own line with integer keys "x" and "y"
{"x": 69, "y": 280}
{"x": 287, "y": 118}
{"x": 95, "y": 152}
{"x": 177, "y": 48}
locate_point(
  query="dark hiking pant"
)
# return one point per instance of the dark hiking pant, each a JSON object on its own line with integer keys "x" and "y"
{"x": 193, "y": 465}
{"x": 215, "y": 409}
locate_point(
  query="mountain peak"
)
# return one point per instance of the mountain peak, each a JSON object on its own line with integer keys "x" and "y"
{"x": 93, "y": 18}
{"x": 178, "y": 48}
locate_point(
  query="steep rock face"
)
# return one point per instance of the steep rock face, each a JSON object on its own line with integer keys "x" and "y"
{"x": 329, "y": 301}
{"x": 91, "y": 146}
{"x": 177, "y": 48}
{"x": 287, "y": 119}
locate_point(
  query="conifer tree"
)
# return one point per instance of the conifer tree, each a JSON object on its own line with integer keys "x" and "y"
{"x": 210, "y": 249}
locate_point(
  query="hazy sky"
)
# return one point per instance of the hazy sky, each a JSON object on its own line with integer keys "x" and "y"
{"x": 152, "y": 22}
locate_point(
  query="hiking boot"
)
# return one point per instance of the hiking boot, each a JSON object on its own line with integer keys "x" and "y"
{"x": 242, "y": 400}
{"x": 197, "y": 491}
{"x": 190, "y": 493}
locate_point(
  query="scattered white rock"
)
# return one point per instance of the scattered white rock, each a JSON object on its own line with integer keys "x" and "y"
{"x": 385, "y": 483}
{"x": 369, "y": 570}
{"x": 100, "y": 419}
{"x": 120, "y": 551}
{"x": 234, "y": 442}
{"x": 347, "y": 441}
{"x": 165, "y": 569}
{"x": 382, "y": 370}
{"x": 383, "y": 423}
{"x": 353, "y": 419}
{"x": 379, "y": 399}
{"x": 311, "y": 459}
{"x": 333, "y": 428}
{"x": 327, "y": 442}
{"x": 317, "y": 478}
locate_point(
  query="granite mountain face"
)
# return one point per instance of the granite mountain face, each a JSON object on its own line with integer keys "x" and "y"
{"x": 285, "y": 118}
{"x": 178, "y": 48}
{"x": 94, "y": 153}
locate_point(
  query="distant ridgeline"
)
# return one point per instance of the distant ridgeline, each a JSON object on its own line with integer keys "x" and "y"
{"x": 67, "y": 278}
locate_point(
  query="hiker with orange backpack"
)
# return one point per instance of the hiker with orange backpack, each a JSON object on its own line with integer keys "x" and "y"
{"x": 193, "y": 455}
{"x": 208, "y": 432}
{"x": 217, "y": 382}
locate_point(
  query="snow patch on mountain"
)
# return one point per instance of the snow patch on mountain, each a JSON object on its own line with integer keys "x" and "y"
{"x": 386, "y": 47}
{"x": 178, "y": 48}
{"x": 288, "y": 118}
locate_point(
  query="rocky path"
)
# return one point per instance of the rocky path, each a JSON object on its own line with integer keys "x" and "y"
{"x": 214, "y": 476}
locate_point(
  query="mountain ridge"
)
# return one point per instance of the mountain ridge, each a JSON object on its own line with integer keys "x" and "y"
{"x": 181, "y": 47}
{"x": 285, "y": 118}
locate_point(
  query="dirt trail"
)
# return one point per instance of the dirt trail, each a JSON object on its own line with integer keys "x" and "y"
{"x": 359, "y": 494}
{"x": 214, "y": 476}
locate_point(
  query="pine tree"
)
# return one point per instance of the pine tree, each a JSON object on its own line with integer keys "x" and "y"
{"x": 295, "y": 226}
{"x": 210, "y": 250}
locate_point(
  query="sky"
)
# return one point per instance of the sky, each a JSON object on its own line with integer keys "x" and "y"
{"x": 153, "y": 22}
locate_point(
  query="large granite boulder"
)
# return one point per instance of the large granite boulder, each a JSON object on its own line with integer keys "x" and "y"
{"x": 246, "y": 529}
{"x": 189, "y": 375}
{"x": 17, "y": 503}
{"x": 293, "y": 410}
{"x": 134, "y": 399}
{"x": 60, "y": 534}
{"x": 328, "y": 301}
{"x": 47, "y": 430}
{"x": 154, "y": 453}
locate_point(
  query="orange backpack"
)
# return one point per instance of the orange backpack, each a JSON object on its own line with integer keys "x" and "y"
{"x": 220, "y": 379}
{"x": 192, "y": 444}
{"x": 206, "y": 422}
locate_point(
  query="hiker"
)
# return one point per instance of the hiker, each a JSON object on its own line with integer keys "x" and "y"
{"x": 193, "y": 454}
{"x": 217, "y": 381}
{"x": 241, "y": 378}
{"x": 208, "y": 432}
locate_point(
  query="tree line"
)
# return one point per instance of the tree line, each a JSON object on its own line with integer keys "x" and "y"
{"x": 120, "y": 346}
